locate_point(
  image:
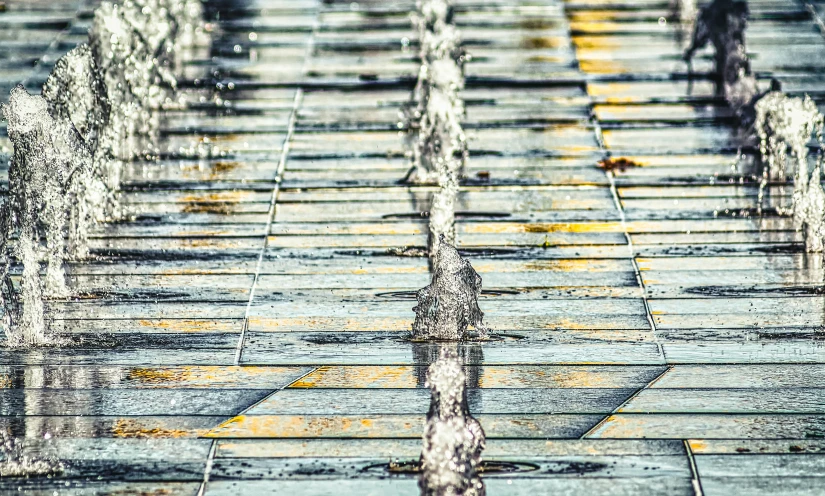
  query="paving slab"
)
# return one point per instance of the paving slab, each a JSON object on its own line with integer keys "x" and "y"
{"x": 244, "y": 329}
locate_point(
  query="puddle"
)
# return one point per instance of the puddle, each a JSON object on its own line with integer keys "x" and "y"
{"x": 577, "y": 468}
{"x": 459, "y": 214}
{"x": 411, "y": 295}
{"x": 124, "y": 296}
{"x": 486, "y": 467}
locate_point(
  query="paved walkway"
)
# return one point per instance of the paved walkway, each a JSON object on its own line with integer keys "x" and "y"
{"x": 656, "y": 336}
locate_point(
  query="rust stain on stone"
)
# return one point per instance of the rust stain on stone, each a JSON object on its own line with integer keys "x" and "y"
{"x": 538, "y": 42}
{"x": 133, "y": 429}
{"x": 619, "y": 164}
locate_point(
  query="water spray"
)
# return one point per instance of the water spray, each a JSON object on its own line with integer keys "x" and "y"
{"x": 45, "y": 191}
{"x": 98, "y": 108}
{"x": 14, "y": 462}
{"x": 433, "y": 118}
{"x": 449, "y": 304}
{"x": 453, "y": 439}
{"x": 785, "y": 125}
{"x": 722, "y": 23}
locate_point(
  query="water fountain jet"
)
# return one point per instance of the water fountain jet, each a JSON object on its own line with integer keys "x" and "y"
{"x": 138, "y": 82}
{"x": 77, "y": 96}
{"x": 45, "y": 191}
{"x": 15, "y": 463}
{"x": 722, "y": 23}
{"x": 453, "y": 440}
{"x": 786, "y": 124}
{"x": 449, "y": 304}
{"x": 433, "y": 117}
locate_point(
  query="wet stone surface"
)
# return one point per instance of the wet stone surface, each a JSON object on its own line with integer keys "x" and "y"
{"x": 243, "y": 329}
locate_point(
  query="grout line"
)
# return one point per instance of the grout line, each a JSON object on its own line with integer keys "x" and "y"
{"x": 626, "y": 401}
{"x": 208, "y": 468}
{"x": 638, "y": 273}
{"x": 299, "y": 96}
{"x": 314, "y": 369}
{"x": 250, "y": 407}
{"x": 623, "y": 220}
{"x": 695, "y": 480}
{"x": 597, "y": 129}
{"x": 293, "y": 118}
{"x": 599, "y": 135}
{"x": 815, "y": 17}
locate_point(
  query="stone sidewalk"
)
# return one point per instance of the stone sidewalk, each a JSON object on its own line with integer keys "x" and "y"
{"x": 654, "y": 335}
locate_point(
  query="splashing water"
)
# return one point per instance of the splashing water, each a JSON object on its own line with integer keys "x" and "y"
{"x": 809, "y": 213}
{"x": 76, "y": 95}
{"x": 137, "y": 81}
{"x": 433, "y": 119}
{"x": 449, "y": 304}
{"x": 442, "y": 217}
{"x": 722, "y": 23}
{"x": 453, "y": 439}
{"x": 46, "y": 175}
{"x": 76, "y": 92}
{"x": 122, "y": 56}
{"x": 189, "y": 28}
{"x": 135, "y": 46}
{"x": 9, "y": 298}
{"x": 15, "y": 463}
{"x": 167, "y": 27}
{"x": 786, "y": 124}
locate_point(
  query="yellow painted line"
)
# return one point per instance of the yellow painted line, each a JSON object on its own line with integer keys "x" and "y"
{"x": 297, "y": 426}
{"x": 131, "y": 428}
{"x": 593, "y": 15}
{"x": 264, "y": 324}
{"x": 697, "y": 445}
{"x": 541, "y": 228}
{"x": 596, "y": 27}
{"x": 189, "y": 326}
{"x": 360, "y": 377}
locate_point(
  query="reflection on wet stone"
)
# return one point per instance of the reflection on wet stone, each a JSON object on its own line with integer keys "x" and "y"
{"x": 471, "y": 355}
{"x": 240, "y": 326}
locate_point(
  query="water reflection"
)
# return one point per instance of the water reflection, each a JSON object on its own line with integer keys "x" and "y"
{"x": 471, "y": 356}
{"x": 683, "y": 19}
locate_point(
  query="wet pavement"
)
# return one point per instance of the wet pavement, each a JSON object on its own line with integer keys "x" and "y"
{"x": 243, "y": 332}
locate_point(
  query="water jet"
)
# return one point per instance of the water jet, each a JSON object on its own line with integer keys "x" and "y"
{"x": 453, "y": 439}
{"x": 449, "y": 304}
